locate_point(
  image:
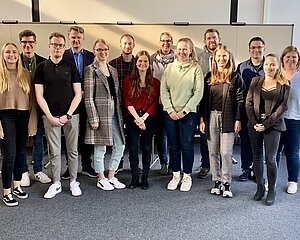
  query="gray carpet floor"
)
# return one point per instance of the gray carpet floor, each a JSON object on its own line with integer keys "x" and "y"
{"x": 155, "y": 213}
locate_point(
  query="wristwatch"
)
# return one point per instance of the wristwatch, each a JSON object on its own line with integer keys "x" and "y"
{"x": 69, "y": 117}
{"x": 184, "y": 112}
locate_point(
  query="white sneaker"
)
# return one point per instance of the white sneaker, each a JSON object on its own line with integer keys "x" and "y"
{"x": 291, "y": 187}
{"x": 25, "y": 180}
{"x": 54, "y": 189}
{"x": 227, "y": 190}
{"x": 75, "y": 189}
{"x": 104, "y": 184}
{"x": 186, "y": 183}
{"x": 116, "y": 183}
{"x": 173, "y": 184}
{"x": 42, "y": 177}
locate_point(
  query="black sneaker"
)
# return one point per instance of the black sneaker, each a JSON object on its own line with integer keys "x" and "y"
{"x": 89, "y": 172}
{"x": 227, "y": 191}
{"x": 10, "y": 201}
{"x": 20, "y": 193}
{"x": 216, "y": 190}
{"x": 245, "y": 176}
{"x": 66, "y": 175}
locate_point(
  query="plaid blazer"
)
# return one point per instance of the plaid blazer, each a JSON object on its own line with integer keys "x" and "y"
{"x": 97, "y": 101}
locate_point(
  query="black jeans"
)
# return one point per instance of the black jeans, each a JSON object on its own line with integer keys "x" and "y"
{"x": 269, "y": 140}
{"x": 15, "y": 128}
{"x": 135, "y": 136}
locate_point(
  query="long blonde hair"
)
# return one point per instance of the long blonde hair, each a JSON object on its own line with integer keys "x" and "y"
{"x": 278, "y": 74}
{"x": 225, "y": 75}
{"x": 22, "y": 78}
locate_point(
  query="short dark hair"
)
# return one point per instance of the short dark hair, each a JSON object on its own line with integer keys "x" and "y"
{"x": 211, "y": 30}
{"x": 58, "y": 35}
{"x": 77, "y": 29}
{"x": 256, "y": 39}
{"x": 27, "y": 33}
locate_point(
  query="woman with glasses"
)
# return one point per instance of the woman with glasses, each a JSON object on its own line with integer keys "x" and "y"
{"x": 141, "y": 95}
{"x": 104, "y": 115}
{"x": 265, "y": 104}
{"x": 18, "y": 120}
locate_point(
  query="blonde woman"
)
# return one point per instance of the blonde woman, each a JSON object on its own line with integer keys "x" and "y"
{"x": 221, "y": 110}
{"x": 18, "y": 119}
{"x": 265, "y": 104}
{"x": 181, "y": 92}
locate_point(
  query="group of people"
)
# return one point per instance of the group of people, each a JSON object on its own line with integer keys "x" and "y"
{"x": 95, "y": 103}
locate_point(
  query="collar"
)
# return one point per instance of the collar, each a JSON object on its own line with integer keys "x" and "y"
{"x": 74, "y": 52}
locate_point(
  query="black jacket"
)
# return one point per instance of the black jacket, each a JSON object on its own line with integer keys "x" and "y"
{"x": 232, "y": 104}
{"x": 279, "y": 105}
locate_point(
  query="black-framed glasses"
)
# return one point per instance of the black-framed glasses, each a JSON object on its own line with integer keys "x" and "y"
{"x": 57, "y": 45}
{"x": 101, "y": 49}
{"x": 166, "y": 41}
{"x": 28, "y": 42}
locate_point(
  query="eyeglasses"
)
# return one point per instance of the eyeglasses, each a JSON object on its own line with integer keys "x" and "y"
{"x": 256, "y": 47}
{"x": 101, "y": 49}
{"x": 28, "y": 42}
{"x": 57, "y": 45}
{"x": 166, "y": 41}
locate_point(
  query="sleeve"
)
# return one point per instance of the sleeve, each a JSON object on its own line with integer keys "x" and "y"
{"x": 75, "y": 74}
{"x": 250, "y": 103}
{"x": 270, "y": 120}
{"x": 165, "y": 91}
{"x": 197, "y": 91}
{"x": 89, "y": 90}
{"x": 126, "y": 95}
{"x": 155, "y": 98}
{"x": 240, "y": 88}
{"x": 38, "y": 75}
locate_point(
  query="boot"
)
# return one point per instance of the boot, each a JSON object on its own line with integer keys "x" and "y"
{"x": 134, "y": 182}
{"x": 260, "y": 192}
{"x": 270, "y": 197}
{"x": 145, "y": 184}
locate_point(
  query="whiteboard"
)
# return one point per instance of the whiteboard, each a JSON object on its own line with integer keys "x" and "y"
{"x": 277, "y": 37}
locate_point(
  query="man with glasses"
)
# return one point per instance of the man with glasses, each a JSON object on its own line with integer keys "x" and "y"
{"x": 159, "y": 60}
{"x": 124, "y": 65}
{"x": 29, "y": 61}
{"x": 248, "y": 69}
{"x": 81, "y": 58}
{"x": 58, "y": 93}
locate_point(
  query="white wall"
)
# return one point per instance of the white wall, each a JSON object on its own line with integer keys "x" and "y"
{"x": 15, "y": 10}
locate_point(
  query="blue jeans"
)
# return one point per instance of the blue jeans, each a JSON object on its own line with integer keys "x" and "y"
{"x": 135, "y": 136}
{"x": 180, "y": 135}
{"x": 38, "y": 147}
{"x": 15, "y": 129}
{"x": 246, "y": 151}
{"x": 160, "y": 136}
{"x": 290, "y": 140}
{"x": 117, "y": 148}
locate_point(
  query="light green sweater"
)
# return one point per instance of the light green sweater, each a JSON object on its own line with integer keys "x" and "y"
{"x": 181, "y": 87}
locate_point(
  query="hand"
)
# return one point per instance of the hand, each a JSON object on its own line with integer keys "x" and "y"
{"x": 202, "y": 127}
{"x": 55, "y": 121}
{"x": 259, "y": 127}
{"x": 63, "y": 119}
{"x": 95, "y": 125}
{"x": 180, "y": 114}
{"x": 173, "y": 116}
{"x": 142, "y": 126}
{"x": 139, "y": 121}
{"x": 237, "y": 126}
{"x": 2, "y": 136}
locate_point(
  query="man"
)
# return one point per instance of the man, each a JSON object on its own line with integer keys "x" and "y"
{"x": 159, "y": 60}
{"x": 248, "y": 69}
{"x": 124, "y": 65}
{"x": 81, "y": 58}
{"x": 29, "y": 61}
{"x": 58, "y": 93}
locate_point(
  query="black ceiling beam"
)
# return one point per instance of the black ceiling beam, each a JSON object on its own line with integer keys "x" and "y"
{"x": 35, "y": 10}
{"x": 233, "y": 11}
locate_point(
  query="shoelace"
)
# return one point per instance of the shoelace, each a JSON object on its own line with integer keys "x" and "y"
{"x": 9, "y": 196}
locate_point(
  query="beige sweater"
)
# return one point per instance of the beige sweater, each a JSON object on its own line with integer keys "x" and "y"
{"x": 16, "y": 98}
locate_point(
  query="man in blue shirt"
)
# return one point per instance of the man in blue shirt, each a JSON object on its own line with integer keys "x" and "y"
{"x": 248, "y": 69}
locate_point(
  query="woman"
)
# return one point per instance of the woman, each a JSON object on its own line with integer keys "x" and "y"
{"x": 221, "y": 110}
{"x": 18, "y": 119}
{"x": 181, "y": 91}
{"x": 290, "y": 139}
{"x": 265, "y": 104}
{"x": 141, "y": 95}
{"x": 105, "y": 123}
{"x": 160, "y": 60}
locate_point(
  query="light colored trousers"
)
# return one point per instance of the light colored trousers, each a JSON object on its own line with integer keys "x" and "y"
{"x": 220, "y": 147}
{"x": 117, "y": 148}
{"x": 53, "y": 136}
